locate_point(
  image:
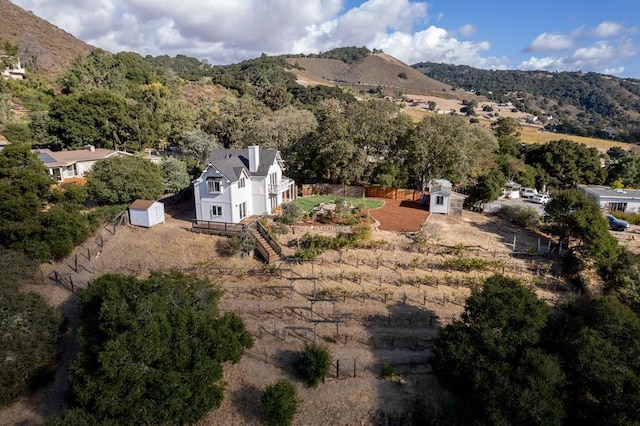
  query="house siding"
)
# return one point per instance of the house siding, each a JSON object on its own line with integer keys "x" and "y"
{"x": 255, "y": 197}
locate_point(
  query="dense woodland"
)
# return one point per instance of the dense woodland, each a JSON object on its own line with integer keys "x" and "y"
{"x": 516, "y": 361}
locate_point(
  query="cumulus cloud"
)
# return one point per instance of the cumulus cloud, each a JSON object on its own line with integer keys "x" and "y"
{"x": 230, "y": 31}
{"x": 601, "y": 56}
{"x": 607, "y": 29}
{"x": 547, "y": 42}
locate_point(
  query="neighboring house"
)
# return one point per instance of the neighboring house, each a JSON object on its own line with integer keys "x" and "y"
{"x": 443, "y": 200}
{"x": 65, "y": 165}
{"x": 239, "y": 183}
{"x": 146, "y": 213}
{"x": 14, "y": 71}
{"x": 614, "y": 200}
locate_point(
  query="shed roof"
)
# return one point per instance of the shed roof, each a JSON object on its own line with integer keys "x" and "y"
{"x": 142, "y": 204}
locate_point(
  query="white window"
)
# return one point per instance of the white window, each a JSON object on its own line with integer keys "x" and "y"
{"x": 214, "y": 185}
{"x": 216, "y": 211}
{"x": 241, "y": 183}
{"x": 439, "y": 200}
{"x": 243, "y": 210}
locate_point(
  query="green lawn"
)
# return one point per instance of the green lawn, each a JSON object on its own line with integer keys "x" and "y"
{"x": 308, "y": 203}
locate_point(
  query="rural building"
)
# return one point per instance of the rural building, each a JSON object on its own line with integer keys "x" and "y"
{"x": 614, "y": 200}
{"x": 239, "y": 183}
{"x": 14, "y": 70}
{"x": 146, "y": 213}
{"x": 443, "y": 200}
{"x": 64, "y": 165}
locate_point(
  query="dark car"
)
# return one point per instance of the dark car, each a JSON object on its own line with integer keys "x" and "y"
{"x": 617, "y": 224}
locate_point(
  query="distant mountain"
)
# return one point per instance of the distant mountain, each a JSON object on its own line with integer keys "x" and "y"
{"x": 43, "y": 47}
{"x": 585, "y": 104}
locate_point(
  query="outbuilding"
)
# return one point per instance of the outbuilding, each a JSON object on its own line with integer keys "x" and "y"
{"x": 443, "y": 200}
{"x": 146, "y": 213}
{"x": 614, "y": 199}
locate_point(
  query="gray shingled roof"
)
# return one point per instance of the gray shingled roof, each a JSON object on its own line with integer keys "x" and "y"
{"x": 231, "y": 162}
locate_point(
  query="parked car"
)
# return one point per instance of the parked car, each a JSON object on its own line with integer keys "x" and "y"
{"x": 528, "y": 192}
{"x": 541, "y": 198}
{"x": 617, "y": 224}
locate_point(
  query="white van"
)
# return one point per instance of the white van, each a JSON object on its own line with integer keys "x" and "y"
{"x": 528, "y": 192}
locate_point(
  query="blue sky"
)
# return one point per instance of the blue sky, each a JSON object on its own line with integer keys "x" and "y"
{"x": 559, "y": 35}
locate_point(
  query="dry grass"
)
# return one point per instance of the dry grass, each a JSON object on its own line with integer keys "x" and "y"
{"x": 55, "y": 48}
{"x": 531, "y": 134}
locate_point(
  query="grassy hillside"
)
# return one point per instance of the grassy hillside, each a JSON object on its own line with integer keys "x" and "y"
{"x": 43, "y": 47}
{"x": 377, "y": 69}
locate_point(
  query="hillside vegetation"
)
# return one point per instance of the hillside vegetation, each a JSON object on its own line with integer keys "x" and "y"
{"x": 44, "y": 48}
{"x": 584, "y": 104}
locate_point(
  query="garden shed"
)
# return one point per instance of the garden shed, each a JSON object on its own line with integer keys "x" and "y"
{"x": 146, "y": 213}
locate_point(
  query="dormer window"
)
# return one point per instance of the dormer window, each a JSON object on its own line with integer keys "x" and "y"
{"x": 241, "y": 183}
{"x": 214, "y": 185}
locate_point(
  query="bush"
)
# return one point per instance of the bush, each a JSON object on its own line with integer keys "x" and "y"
{"x": 524, "y": 216}
{"x": 280, "y": 402}
{"x": 235, "y": 245}
{"x": 290, "y": 214}
{"x": 386, "y": 370}
{"x": 313, "y": 363}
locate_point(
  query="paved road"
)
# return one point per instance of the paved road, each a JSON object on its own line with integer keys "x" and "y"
{"x": 496, "y": 205}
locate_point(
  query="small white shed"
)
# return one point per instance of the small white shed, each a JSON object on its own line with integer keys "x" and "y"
{"x": 146, "y": 213}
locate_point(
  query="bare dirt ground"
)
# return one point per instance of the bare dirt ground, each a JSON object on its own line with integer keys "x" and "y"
{"x": 383, "y": 304}
{"x": 400, "y": 216}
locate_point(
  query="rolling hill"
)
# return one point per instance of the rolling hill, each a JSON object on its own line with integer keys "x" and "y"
{"x": 376, "y": 69}
{"x": 44, "y": 47}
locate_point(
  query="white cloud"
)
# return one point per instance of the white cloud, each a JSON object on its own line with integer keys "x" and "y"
{"x": 613, "y": 71}
{"x": 437, "y": 45}
{"x": 607, "y": 29}
{"x": 546, "y": 42}
{"x": 468, "y": 30}
{"x": 601, "y": 56}
{"x": 228, "y": 31}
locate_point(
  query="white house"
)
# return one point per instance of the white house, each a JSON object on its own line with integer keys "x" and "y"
{"x": 14, "y": 70}
{"x": 65, "y": 165}
{"x": 146, "y": 213}
{"x": 239, "y": 183}
{"x": 442, "y": 199}
{"x": 612, "y": 200}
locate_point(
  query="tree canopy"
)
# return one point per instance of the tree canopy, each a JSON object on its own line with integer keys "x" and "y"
{"x": 580, "y": 226}
{"x": 152, "y": 350}
{"x": 30, "y": 330}
{"x": 25, "y": 225}
{"x": 492, "y": 361}
{"x": 124, "y": 178}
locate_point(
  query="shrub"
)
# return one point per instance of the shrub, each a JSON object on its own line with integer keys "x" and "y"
{"x": 524, "y": 216}
{"x": 280, "y": 402}
{"x": 290, "y": 214}
{"x": 467, "y": 265}
{"x": 386, "y": 370}
{"x": 235, "y": 245}
{"x": 361, "y": 232}
{"x": 313, "y": 363}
